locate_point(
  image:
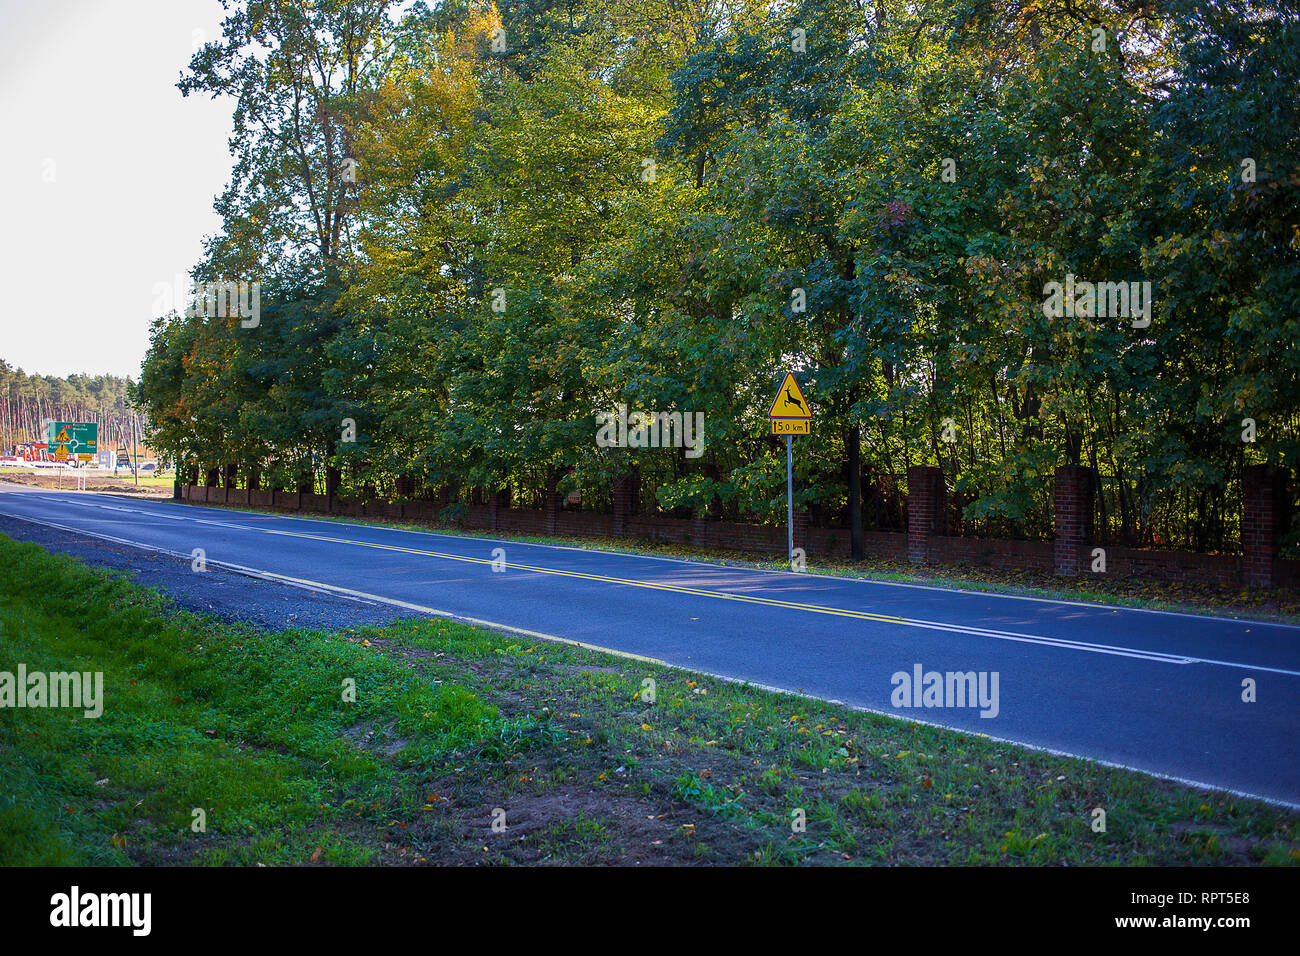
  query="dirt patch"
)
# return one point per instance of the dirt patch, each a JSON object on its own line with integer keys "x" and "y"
{"x": 368, "y": 735}
{"x": 102, "y": 483}
{"x": 1213, "y": 838}
{"x": 569, "y": 822}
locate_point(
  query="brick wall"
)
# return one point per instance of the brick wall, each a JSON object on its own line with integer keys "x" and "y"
{"x": 1071, "y": 549}
{"x": 1221, "y": 569}
{"x": 992, "y": 553}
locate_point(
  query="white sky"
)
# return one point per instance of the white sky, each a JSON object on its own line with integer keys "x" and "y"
{"x": 91, "y": 85}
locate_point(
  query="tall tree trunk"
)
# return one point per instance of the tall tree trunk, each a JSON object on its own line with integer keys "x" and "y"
{"x": 853, "y": 447}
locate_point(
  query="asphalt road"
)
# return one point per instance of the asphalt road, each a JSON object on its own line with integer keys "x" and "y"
{"x": 1157, "y": 691}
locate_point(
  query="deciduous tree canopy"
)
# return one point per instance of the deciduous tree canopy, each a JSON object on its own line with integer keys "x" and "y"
{"x": 476, "y": 227}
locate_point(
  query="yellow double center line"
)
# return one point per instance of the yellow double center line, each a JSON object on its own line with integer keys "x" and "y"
{"x": 1086, "y": 646}
{"x": 772, "y": 602}
{"x": 606, "y": 579}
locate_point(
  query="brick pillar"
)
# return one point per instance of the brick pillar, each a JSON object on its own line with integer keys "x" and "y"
{"x": 801, "y": 537}
{"x": 498, "y": 502}
{"x": 924, "y": 510}
{"x": 624, "y": 501}
{"x": 699, "y": 528}
{"x": 333, "y": 478}
{"x": 1072, "y": 522}
{"x": 1263, "y": 520}
{"x": 553, "y": 500}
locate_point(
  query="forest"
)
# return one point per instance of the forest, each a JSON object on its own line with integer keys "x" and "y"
{"x": 998, "y": 236}
{"x": 28, "y": 401}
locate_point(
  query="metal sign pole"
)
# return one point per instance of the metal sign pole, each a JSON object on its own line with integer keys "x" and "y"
{"x": 790, "y": 416}
{"x": 789, "y": 500}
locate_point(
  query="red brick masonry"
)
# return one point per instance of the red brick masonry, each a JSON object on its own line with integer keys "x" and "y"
{"x": 924, "y": 542}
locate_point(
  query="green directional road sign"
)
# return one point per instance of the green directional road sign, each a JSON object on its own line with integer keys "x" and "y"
{"x": 77, "y": 440}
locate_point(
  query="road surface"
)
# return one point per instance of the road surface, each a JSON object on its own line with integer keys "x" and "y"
{"x": 1157, "y": 691}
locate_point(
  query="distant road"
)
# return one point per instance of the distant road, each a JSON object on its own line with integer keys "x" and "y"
{"x": 1156, "y": 691}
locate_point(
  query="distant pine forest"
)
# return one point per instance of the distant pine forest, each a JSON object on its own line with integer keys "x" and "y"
{"x": 28, "y": 401}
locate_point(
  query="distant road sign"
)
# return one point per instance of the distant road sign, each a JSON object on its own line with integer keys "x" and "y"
{"x": 79, "y": 440}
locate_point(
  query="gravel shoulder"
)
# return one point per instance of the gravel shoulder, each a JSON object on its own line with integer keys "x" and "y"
{"x": 228, "y": 595}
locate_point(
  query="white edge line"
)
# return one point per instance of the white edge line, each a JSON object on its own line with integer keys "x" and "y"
{"x": 1012, "y": 636}
{"x": 344, "y": 592}
{"x": 308, "y": 585}
{"x": 711, "y": 564}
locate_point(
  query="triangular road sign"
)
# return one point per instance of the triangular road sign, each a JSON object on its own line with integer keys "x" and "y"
{"x": 789, "y": 402}
{"x": 63, "y": 435}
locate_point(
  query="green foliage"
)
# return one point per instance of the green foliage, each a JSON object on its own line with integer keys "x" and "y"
{"x": 511, "y": 738}
{"x": 239, "y": 722}
{"x": 689, "y": 788}
{"x": 919, "y": 174}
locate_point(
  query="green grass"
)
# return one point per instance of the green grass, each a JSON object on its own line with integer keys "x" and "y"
{"x": 453, "y": 722}
{"x": 249, "y": 727}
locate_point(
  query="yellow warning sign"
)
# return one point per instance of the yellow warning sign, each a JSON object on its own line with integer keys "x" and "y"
{"x": 61, "y": 454}
{"x": 63, "y": 436}
{"x": 789, "y": 402}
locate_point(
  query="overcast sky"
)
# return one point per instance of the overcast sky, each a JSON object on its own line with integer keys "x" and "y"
{"x": 88, "y": 99}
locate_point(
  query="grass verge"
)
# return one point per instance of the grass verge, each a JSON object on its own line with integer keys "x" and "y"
{"x": 454, "y": 728}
